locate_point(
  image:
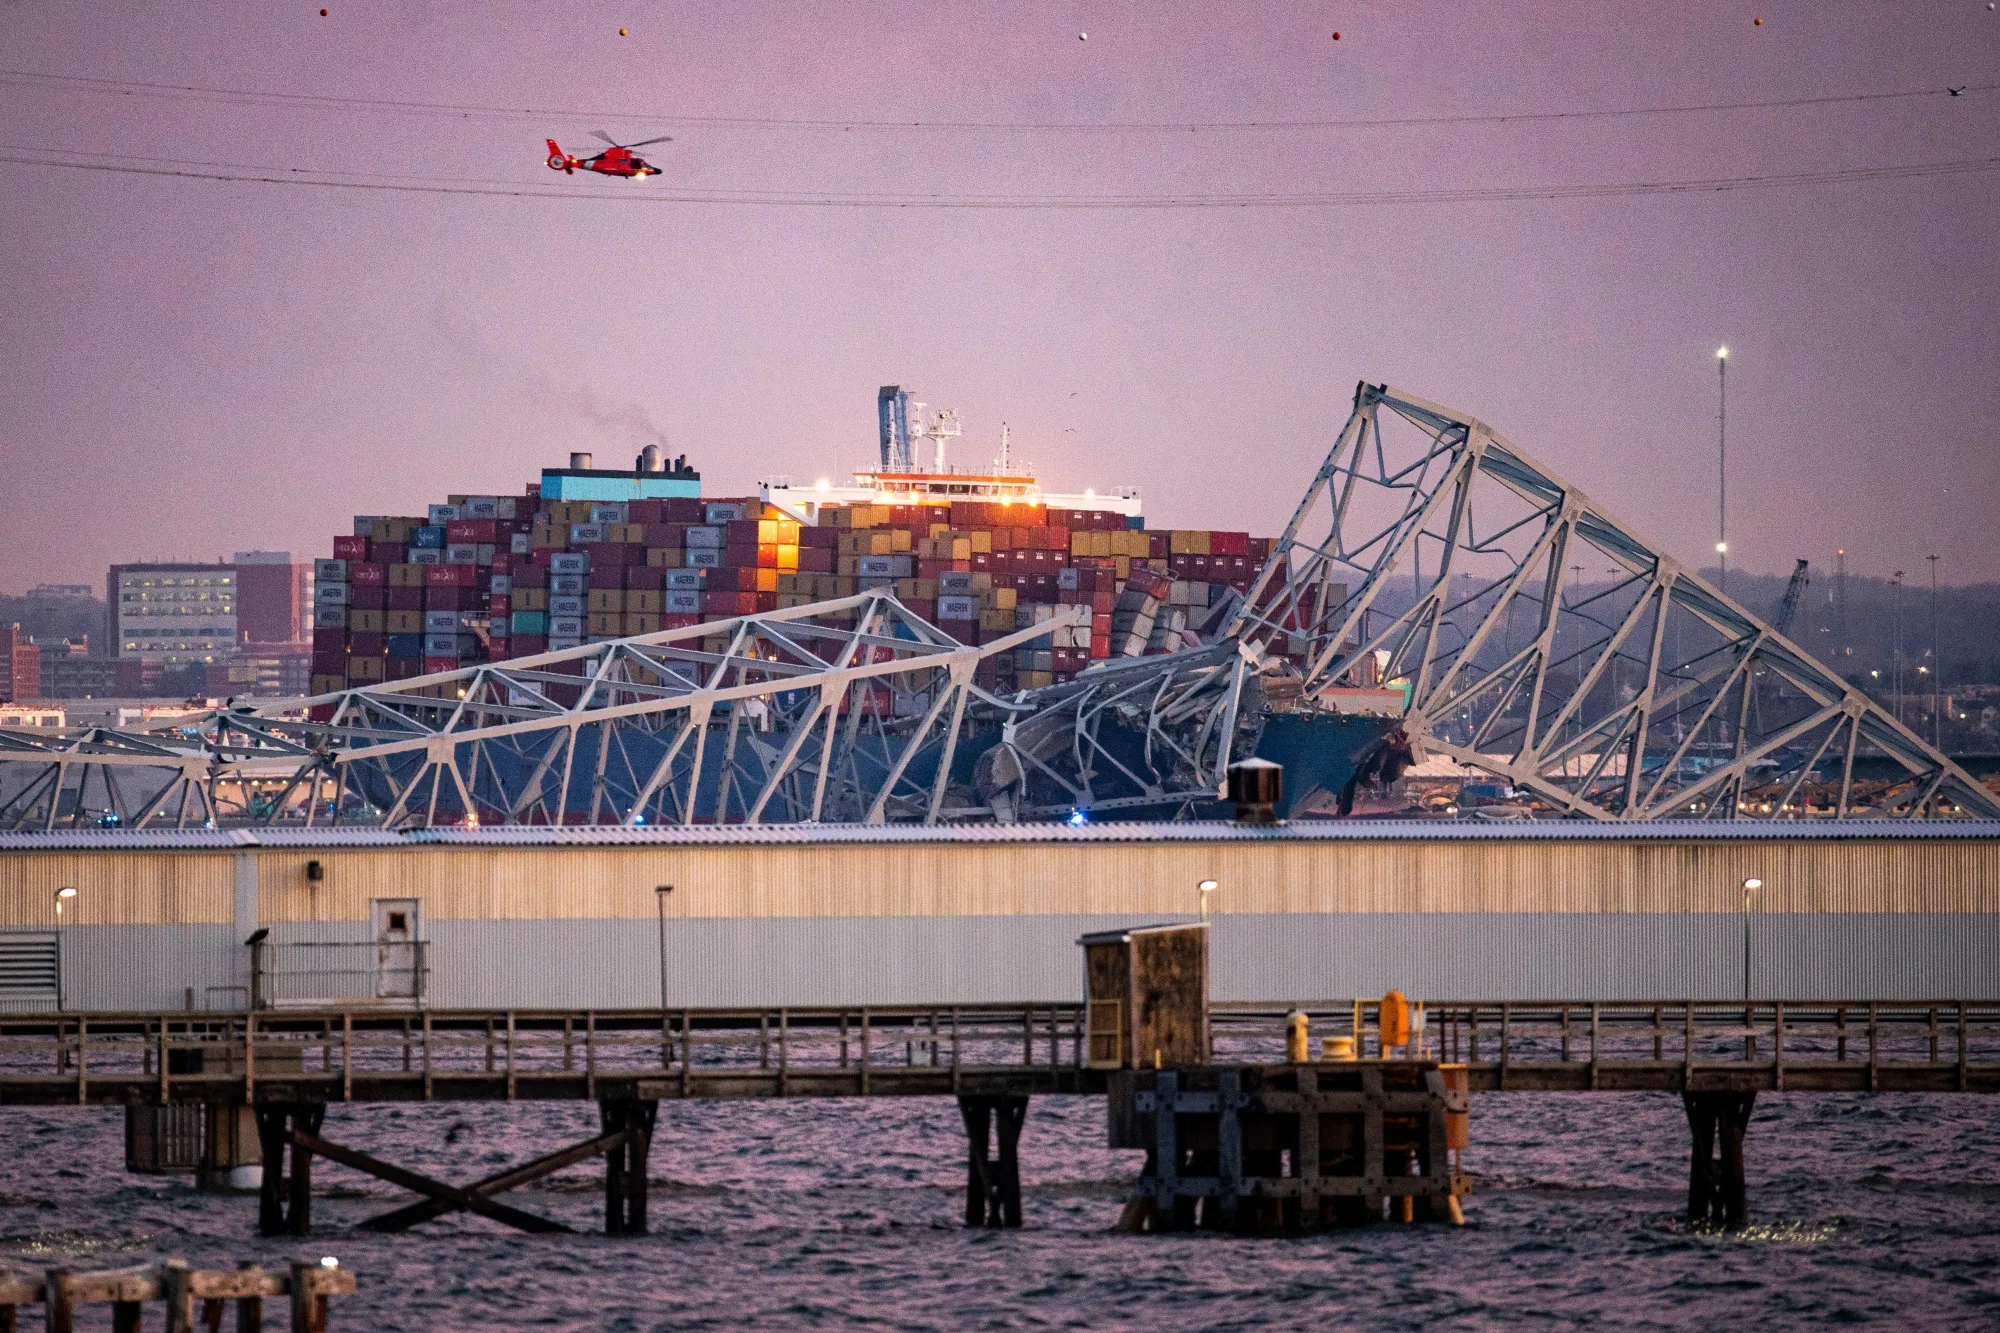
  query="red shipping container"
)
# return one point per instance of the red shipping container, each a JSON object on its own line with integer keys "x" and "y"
{"x": 469, "y": 530}
{"x": 434, "y": 665}
{"x": 728, "y": 603}
{"x": 766, "y": 601}
{"x": 767, "y": 557}
{"x": 1101, "y": 603}
{"x": 404, "y": 599}
{"x": 740, "y": 532}
{"x": 730, "y": 578}
{"x": 367, "y": 645}
{"x": 350, "y": 548}
{"x": 1158, "y": 546}
{"x": 816, "y": 559}
{"x": 679, "y": 621}
{"x": 367, "y": 573}
{"x": 607, "y": 554}
{"x": 980, "y": 561}
{"x": 740, "y": 556}
{"x": 643, "y": 511}
{"x": 450, "y": 576}
{"x": 499, "y": 607}
{"x": 606, "y": 576}
{"x": 367, "y": 597}
{"x": 818, "y": 538}
{"x": 387, "y": 553}
{"x": 666, "y": 536}
{"x": 330, "y": 663}
{"x": 329, "y": 641}
{"x": 530, "y": 575}
{"x": 645, "y": 578}
{"x": 450, "y": 598}
{"x": 527, "y": 645}
{"x": 684, "y": 509}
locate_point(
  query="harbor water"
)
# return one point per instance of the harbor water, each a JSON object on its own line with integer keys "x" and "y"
{"x": 833, "y": 1214}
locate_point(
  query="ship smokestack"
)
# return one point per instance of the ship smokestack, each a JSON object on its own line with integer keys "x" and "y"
{"x": 579, "y": 462}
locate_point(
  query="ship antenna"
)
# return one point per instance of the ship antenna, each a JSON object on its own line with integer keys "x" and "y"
{"x": 1003, "y": 449}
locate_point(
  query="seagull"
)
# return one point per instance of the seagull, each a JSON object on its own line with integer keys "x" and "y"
{"x": 1955, "y": 92}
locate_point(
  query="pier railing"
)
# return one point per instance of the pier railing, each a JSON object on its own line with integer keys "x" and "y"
{"x": 372, "y": 1053}
{"x": 369, "y": 1053}
{"x": 1664, "y": 1045}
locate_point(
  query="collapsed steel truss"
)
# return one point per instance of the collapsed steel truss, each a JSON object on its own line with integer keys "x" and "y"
{"x": 1539, "y": 639}
{"x": 781, "y": 717}
{"x": 1545, "y": 643}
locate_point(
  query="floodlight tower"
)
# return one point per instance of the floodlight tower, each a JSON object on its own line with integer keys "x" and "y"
{"x": 1722, "y": 466}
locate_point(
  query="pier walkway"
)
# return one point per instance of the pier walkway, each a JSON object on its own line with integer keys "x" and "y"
{"x": 368, "y": 1053}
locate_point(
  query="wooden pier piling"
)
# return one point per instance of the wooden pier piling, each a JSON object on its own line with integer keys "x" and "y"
{"x": 993, "y": 1186}
{"x": 63, "y": 1294}
{"x": 1717, "y": 1196}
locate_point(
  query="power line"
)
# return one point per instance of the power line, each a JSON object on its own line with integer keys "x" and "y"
{"x": 651, "y": 193}
{"x": 471, "y": 111}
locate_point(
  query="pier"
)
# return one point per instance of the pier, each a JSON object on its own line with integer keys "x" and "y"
{"x": 284, "y": 1069}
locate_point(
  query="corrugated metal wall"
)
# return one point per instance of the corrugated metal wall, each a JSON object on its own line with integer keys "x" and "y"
{"x": 153, "y": 967}
{"x": 906, "y": 922}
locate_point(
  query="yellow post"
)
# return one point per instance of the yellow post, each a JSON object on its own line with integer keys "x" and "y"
{"x": 1298, "y": 1048}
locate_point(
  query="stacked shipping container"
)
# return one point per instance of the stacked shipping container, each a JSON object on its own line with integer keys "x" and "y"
{"x": 491, "y": 577}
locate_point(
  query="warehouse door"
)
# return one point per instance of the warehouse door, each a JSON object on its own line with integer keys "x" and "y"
{"x": 399, "y": 950}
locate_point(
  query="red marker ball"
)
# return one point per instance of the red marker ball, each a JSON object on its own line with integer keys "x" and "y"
{"x": 1336, "y": 37}
{"x": 322, "y": 13}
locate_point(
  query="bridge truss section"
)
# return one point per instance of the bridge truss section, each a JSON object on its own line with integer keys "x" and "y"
{"x": 1546, "y": 643}
{"x": 848, "y": 710}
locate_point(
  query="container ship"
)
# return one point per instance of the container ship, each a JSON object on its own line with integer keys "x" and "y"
{"x": 590, "y": 554}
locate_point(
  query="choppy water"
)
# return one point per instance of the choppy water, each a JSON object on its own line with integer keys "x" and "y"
{"x": 837, "y": 1214}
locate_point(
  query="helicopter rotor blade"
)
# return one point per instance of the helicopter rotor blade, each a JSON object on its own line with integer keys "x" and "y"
{"x": 607, "y": 138}
{"x": 643, "y": 143}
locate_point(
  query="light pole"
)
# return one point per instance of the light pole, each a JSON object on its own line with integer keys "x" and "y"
{"x": 1937, "y": 666}
{"x": 1207, "y": 887}
{"x": 1722, "y": 464}
{"x": 660, "y": 898}
{"x": 1896, "y": 649}
{"x": 1750, "y": 886}
{"x": 64, "y": 895}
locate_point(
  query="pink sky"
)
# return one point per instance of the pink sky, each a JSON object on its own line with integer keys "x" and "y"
{"x": 192, "y": 367}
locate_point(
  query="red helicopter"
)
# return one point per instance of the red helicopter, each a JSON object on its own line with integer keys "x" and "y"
{"x": 617, "y": 160}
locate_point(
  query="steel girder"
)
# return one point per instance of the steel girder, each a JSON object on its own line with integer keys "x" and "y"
{"x": 1544, "y": 642}
{"x": 779, "y": 717}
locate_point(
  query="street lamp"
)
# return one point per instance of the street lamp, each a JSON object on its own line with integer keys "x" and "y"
{"x": 660, "y": 898}
{"x": 1722, "y": 464}
{"x": 65, "y": 894}
{"x": 1750, "y": 886}
{"x": 1207, "y": 887}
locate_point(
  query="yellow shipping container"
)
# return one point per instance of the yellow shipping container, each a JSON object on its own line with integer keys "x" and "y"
{"x": 606, "y": 600}
{"x": 631, "y": 534}
{"x": 403, "y": 622}
{"x": 899, "y": 540}
{"x": 531, "y": 599}
{"x": 982, "y": 542}
{"x": 1188, "y": 541}
{"x": 548, "y": 537}
{"x": 788, "y": 556}
{"x": 406, "y": 576}
{"x": 607, "y": 622}
{"x": 648, "y": 600}
{"x": 665, "y": 557}
{"x": 364, "y": 668}
{"x": 642, "y": 622}
{"x": 767, "y": 580}
{"x": 328, "y": 684}
{"x": 366, "y": 622}
{"x": 926, "y": 590}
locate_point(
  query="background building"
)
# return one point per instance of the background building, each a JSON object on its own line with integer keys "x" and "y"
{"x": 174, "y": 614}
{"x": 273, "y": 598}
{"x": 20, "y": 666}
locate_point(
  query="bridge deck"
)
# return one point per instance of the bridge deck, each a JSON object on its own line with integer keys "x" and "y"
{"x": 367, "y": 1053}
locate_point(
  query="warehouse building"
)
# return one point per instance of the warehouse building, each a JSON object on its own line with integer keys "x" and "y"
{"x": 736, "y": 916}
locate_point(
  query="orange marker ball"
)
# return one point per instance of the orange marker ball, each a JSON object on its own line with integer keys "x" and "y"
{"x": 1757, "y": 22}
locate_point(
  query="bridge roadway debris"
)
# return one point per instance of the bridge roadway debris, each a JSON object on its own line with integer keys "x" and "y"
{"x": 288, "y": 1067}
